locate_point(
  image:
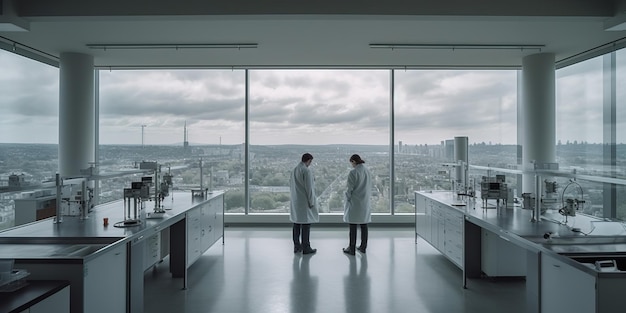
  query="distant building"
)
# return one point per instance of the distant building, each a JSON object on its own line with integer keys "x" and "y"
{"x": 221, "y": 177}
{"x": 449, "y": 149}
{"x": 186, "y": 139}
{"x": 16, "y": 180}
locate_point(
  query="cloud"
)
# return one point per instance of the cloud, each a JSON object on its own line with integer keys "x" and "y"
{"x": 347, "y": 102}
{"x": 28, "y": 88}
{"x": 436, "y": 105}
{"x": 329, "y": 105}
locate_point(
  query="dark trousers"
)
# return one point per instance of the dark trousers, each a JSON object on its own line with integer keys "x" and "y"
{"x": 305, "y": 231}
{"x": 353, "y": 236}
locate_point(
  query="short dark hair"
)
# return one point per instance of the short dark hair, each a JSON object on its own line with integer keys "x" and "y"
{"x": 357, "y": 159}
{"x": 306, "y": 157}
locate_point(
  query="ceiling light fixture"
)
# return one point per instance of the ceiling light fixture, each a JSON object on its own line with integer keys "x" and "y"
{"x": 394, "y": 46}
{"x": 123, "y": 46}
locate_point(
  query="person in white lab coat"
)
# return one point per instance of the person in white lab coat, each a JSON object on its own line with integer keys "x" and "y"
{"x": 304, "y": 209}
{"x": 357, "y": 208}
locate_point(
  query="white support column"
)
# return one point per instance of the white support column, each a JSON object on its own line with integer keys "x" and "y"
{"x": 461, "y": 153}
{"x": 538, "y": 114}
{"x": 76, "y": 113}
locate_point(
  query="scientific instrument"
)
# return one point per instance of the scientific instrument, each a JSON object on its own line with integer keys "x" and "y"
{"x": 493, "y": 188}
{"x": 569, "y": 206}
{"x": 74, "y": 197}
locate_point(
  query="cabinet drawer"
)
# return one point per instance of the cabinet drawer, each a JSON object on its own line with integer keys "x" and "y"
{"x": 454, "y": 219}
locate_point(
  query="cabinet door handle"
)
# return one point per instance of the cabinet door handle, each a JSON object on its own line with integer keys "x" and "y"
{"x": 556, "y": 265}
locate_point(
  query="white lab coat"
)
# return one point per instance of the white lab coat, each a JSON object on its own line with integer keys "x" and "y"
{"x": 357, "y": 208}
{"x": 303, "y": 200}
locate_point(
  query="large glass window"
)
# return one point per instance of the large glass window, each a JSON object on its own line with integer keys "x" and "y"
{"x": 29, "y": 128}
{"x": 579, "y": 127}
{"x": 331, "y": 114}
{"x": 621, "y": 130}
{"x": 432, "y": 107}
{"x": 190, "y": 121}
{"x": 579, "y": 121}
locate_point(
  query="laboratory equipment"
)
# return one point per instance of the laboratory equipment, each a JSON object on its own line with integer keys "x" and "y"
{"x": 569, "y": 206}
{"x": 493, "y": 188}
{"x": 547, "y": 201}
{"x": 550, "y": 196}
{"x": 74, "y": 197}
{"x": 606, "y": 266}
{"x": 134, "y": 196}
{"x": 202, "y": 193}
{"x": 199, "y": 195}
{"x": 166, "y": 184}
{"x": 159, "y": 184}
{"x": 528, "y": 201}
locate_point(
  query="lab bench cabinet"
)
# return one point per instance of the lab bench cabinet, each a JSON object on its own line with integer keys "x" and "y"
{"x": 560, "y": 278}
{"x": 568, "y": 288}
{"x": 501, "y": 258}
{"x": 422, "y": 218}
{"x": 205, "y": 226}
{"x": 565, "y": 288}
{"x": 440, "y": 226}
{"x": 105, "y": 265}
{"x": 152, "y": 251}
{"x": 98, "y": 284}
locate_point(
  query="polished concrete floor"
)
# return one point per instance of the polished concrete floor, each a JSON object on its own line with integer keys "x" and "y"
{"x": 256, "y": 271}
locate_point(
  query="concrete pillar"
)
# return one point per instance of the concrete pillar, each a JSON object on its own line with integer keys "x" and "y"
{"x": 76, "y": 113}
{"x": 461, "y": 153}
{"x": 461, "y": 149}
{"x": 538, "y": 114}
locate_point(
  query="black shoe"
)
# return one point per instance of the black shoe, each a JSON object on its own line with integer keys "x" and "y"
{"x": 309, "y": 251}
{"x": 349, "y": 251}
{"x": 297, "y": 249}
{"x": 361, "y": 249}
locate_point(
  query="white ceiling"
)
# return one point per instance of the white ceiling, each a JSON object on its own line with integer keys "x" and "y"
{"x": 290, "y": 33}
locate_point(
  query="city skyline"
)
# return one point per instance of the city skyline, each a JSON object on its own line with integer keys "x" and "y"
{"x": 290, "y": 106}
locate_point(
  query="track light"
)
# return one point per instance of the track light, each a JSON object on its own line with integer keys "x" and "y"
{"x": 172, "y": 46}
{"x": 394, "y": 46}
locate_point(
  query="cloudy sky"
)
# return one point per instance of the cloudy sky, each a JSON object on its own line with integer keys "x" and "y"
{"x": 297, "y": 106}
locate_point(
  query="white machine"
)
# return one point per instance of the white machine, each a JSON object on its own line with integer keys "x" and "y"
{"x": 606, "y": 266}
{"x": 74, "y": 197}
{"x": 494, "y": 188}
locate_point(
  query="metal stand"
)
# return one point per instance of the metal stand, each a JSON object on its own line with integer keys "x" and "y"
{"x": 131, "y": 220}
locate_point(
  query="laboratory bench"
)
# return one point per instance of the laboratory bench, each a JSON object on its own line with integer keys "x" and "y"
{"x": 38, "y": 296}
{"x": 566, "y": 270}
{"x": 105, "y": 264}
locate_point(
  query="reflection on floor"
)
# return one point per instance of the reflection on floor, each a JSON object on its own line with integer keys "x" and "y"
{"x": 257, "y": 271}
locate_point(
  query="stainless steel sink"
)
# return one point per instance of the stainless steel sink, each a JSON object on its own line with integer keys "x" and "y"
{"x": 577, "y": 240}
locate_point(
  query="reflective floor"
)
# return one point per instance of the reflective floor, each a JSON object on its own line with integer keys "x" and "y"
{"x": 257, "y": 271}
